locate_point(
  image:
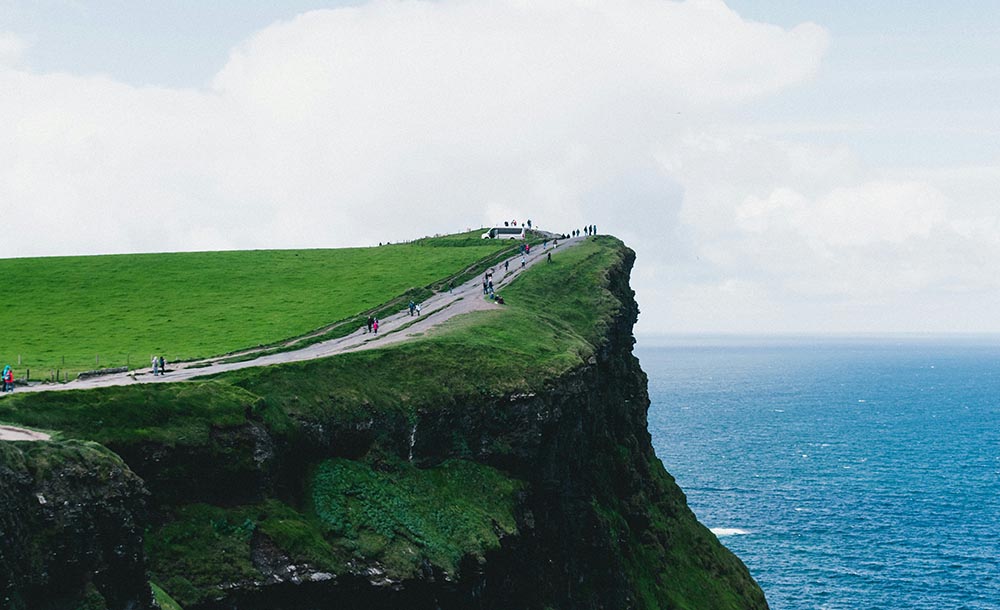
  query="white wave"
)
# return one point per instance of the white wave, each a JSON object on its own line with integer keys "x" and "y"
{"x": 728, "y": 531}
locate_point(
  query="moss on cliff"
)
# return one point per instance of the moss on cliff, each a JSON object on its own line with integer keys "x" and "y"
{"x": 397, "y": 520}
{"x": 404, "y": 517}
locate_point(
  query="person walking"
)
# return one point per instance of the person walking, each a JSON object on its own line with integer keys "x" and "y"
{"x": 3, "y": 378}
{"x": 523, "y": 260}
{"x": 156, "y": 366}
{"x": 548, "y": 257}
{"x": 163, "y": 366}
{"x": 375, "y": 326}
{"x": 418, "y": 307}
{"x": 413, "y": 306}
{"x": 371, "y": 321}
{"x": 506, "y": 265}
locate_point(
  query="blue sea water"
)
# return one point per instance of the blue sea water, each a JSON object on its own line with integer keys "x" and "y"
{"x": 846, "y": 474}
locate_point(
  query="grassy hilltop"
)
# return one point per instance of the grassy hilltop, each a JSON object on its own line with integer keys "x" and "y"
{"x": 65, "y": 312}
{"x": 424, "y": 460}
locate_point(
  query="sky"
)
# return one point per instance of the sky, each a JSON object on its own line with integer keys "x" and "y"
{"x": 778, "y": 167}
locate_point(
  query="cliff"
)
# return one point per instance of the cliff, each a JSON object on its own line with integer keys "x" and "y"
{"x": 71, "y": 520}
{"x": 501, "y": 463}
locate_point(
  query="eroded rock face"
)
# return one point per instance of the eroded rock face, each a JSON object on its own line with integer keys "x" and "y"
{"x": 71, "y": 524}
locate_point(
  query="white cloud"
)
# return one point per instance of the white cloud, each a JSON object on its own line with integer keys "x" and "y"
{"x": 396, "y": 119}
{"x": 378, "y": 122}
{"x": 826, "y": 243}
{"x": 12, "y": 48}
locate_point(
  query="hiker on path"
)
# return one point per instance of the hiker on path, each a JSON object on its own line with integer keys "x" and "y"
{"x": 156, "y": 366}
{"x": 368, "y": 325}
{"x": 6, "y": 374}
{"x": 417, "y": 306}
{"x": 375, "y": 326}
{"x": 163, "y": 366}
{"x": 523, "y": 260}
{"x": 549, "y": 257}
{"x": 506, "y": 265}
{"x": 413, "y": 307}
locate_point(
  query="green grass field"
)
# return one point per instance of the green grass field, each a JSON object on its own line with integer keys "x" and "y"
{"x": 80, "y": 313}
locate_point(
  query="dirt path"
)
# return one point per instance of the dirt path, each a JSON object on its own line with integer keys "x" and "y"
{"x": 398, "y": 327}
{"x": 11, "y": 433}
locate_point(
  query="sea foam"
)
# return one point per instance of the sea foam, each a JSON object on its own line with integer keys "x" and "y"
{"x": 728, "y": 531}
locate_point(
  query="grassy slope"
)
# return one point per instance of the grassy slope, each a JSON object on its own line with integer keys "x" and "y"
{"x": 61, "y": 313}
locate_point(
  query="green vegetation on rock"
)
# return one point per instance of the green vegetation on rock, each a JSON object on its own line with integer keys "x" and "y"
{"x": 404, "y": 515}
{"x": 179, "y": 414}
{"x": 398, "y": 518}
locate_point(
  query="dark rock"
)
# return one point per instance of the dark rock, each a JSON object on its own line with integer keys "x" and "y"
{"x": 71, "y": 521}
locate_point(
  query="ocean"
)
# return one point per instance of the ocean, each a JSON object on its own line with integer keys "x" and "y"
{"x": 845, "y": 473}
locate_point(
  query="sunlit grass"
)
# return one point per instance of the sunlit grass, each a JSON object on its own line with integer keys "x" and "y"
{"x": 80, "y": 313}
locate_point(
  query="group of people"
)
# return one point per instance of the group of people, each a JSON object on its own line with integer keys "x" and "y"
{"x": 159, "y": 365}
{"x": 513, "y": 223}
{"x": 8, "y": 379}
{"x": 587, "y": 230}
{"x": 414, "y": 308}
{"x": 371, "y": 325}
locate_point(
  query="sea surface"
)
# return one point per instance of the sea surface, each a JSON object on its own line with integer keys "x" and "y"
{"x": 846, "y": 473}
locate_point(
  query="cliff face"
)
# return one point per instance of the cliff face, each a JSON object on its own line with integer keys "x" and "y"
{"x": 545, "y": 494}
{"x": 71, "y": 523}
{"x": 601, "y": 523}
